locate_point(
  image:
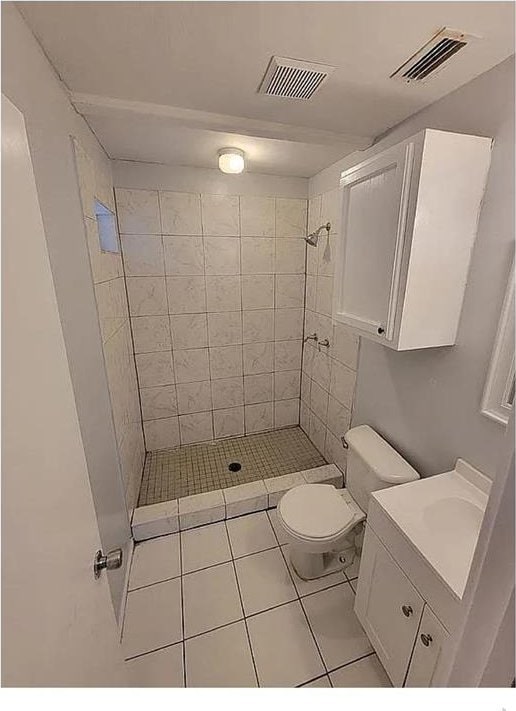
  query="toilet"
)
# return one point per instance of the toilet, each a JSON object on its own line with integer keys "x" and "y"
{"x": 325, "y": 525}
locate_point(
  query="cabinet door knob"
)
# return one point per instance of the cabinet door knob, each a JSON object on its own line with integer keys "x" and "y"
{"x": 381, "y": 330}
{"x": 407, "y": 610}
{"x": 426, "y": 639}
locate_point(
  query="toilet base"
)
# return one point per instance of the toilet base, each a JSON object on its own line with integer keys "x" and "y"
{"x": 310, "y": 566}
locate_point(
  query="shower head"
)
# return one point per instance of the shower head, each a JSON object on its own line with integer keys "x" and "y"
{"x": 313, "y": 238}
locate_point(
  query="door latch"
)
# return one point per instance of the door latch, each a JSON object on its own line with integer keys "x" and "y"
{"x": 111, "y": 561}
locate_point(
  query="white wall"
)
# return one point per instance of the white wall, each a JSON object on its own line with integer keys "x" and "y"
{"x": 427, "y": 402}
{"x": 31, "y": 84}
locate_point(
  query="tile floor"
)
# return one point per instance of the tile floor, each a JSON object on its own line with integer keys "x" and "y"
{"x": 220, "y": 606}
{"x": 173, "y": 473}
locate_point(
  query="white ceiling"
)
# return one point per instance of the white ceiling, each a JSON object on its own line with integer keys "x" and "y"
{"x": 210, "y": 57}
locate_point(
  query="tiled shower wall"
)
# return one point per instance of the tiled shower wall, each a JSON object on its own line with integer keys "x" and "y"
{"x": 110, "y": 293}
{"x": 216, "y": 298}
{"x": 328, "y": 372}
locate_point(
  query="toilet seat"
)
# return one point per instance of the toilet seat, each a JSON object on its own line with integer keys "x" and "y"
{"x": 315, "y": 513}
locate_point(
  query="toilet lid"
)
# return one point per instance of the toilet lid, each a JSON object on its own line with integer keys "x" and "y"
{"x": 315, "y": 510}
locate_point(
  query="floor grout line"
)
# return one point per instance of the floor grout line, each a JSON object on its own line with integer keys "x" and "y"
{"x": 243, "y": 611}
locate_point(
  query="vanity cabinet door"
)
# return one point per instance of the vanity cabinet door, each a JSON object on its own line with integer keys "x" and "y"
{"x": 427, "y": 651}
{"x": 388, "y": 606}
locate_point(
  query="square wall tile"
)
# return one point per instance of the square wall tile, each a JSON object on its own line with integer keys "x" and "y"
{"x": 189, "y": 331}
{"x": 221, "y": 256}
{"x": 258, "y": 418}
{"x": 184, "y": 256}
{"x": 196, "y": 428}
{"x": 158, "y": 402}
{"x": 339, "y": 417}
{"x": 143, "y": 255}
{"x": 147, "y": 296}
{"x": 258, "y": 291}
{"x": 314, "y": 213}
{"x": 321, "y": 368}
{"x": 200, "y": 509}
{"x": 193, "y": 397}
{"x": 288, "y": 324}
{"x": 225, "y": 329}
{"x": 151, "y": 334}
{"x": 258, "y": 358}
{"x": 310, "y": 292}
{"x": 152, "y": 618}
{"x": 225, "y": 362}
{"x": 317, "y": 432}
{"x": 245, "y": 498}
{"x": 324, "y": 295}
{"x": 186, "y": 295}
{"x": 319, "y": 401}
{"x": 345, "y": 345}
{"x": 290, "y": 256}
{"x": 286, "y": 413}
{"x": 342, "y": 383}
{"x": 155, "y": 520}
{"x": 258, "y": 326}
{"x": 257, "y": 216}
{"x": 306, "y": 384}
{"x": 331, "y": 209}
{"x": 161, "y": 434}
{"x": 227, "y": 392}
{"x": 286, "y": 384}
{"x": 210, "y": 599}
{"x": 223, "y": 293}
{"x": 334, "y": 452}
{"x": 138, "y": 212}
{"x": 291, "y": 217}
{"x": 221, "y": 658}
{"x": 326, "y": 250}
{"x": 155, "y": 369}
{"x": 192, "y": 365}
{"x": 287, "y": 355}
{"x": 277, "y": 486}
{"x": 257, "y": 388}
{"x": 290, "y": 291}
{"x": 228, "y": 422}
{"x": 257, "y": 255}
{"x": 180, "y": 213}
{"x": 220, "y": 215}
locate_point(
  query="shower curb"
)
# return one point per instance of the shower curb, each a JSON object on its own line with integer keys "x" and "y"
{"x": 200, "y": 509}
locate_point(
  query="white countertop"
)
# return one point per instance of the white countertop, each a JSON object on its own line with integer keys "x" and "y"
{"x": 441, "y": 516}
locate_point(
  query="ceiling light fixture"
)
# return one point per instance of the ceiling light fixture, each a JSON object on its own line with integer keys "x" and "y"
{"x": 231, "y": 160}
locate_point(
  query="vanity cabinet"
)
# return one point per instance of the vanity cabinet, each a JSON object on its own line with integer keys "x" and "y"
{"x": 409, "y": 221}
{"x": 402, "y": 628}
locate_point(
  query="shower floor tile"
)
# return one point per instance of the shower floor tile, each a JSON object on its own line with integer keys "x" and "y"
{"x": 194, "y": 469}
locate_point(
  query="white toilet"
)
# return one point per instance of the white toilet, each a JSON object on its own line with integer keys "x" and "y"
{"x": 324, "y": 525}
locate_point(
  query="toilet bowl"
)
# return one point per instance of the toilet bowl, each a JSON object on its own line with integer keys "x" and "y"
{"x": 324, "y": 525}
{"x": 321, "y": 524}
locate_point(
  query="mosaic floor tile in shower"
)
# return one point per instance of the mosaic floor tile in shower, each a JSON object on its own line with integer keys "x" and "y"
{"x": 172, "y": 473}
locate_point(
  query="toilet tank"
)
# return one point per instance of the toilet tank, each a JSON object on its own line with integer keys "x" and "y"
{"x": 373, "y": 464}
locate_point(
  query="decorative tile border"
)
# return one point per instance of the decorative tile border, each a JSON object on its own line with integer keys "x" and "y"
{"x": 192, "y": 511}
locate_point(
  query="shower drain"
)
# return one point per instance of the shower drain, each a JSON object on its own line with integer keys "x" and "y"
{"x": 235, "y": 467}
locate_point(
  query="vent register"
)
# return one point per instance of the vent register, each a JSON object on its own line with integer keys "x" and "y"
{"x": 426, "y": 62}
{"x": 293, "y": 78}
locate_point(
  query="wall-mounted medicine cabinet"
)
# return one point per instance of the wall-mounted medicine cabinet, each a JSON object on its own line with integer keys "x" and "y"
{"x": 409, "y": 221}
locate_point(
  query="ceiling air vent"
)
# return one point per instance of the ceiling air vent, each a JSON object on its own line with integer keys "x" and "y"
{"x": 433, "y": 56}
{"x": 293, "y": 78}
